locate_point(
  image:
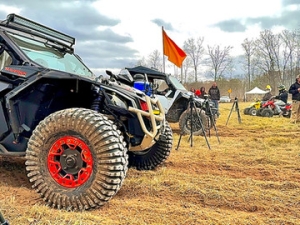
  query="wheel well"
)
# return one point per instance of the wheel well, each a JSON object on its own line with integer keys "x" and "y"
{"x": 42, "y": 98}
{"x": 178, "y": 107}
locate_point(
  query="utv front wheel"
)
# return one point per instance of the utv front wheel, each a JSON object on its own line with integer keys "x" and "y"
{"x": 189, "y": 122}
{"x": 76, "y": 159}
{"x": 151, "y": 158}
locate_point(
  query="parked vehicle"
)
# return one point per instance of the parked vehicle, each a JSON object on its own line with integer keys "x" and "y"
{"x": 78, "y": 134}
{"x": 253, "y": 108}
{"x": 225, "y": 99}
{"x": 175, "y": 99}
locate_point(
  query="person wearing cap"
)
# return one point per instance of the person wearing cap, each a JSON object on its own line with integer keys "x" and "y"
{"x": 268, "y": 94}
{"x": 283, "y": 96}
{"x": 295, "y": 91}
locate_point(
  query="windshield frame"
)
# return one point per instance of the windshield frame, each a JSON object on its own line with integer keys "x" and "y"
{"x": 50, "y": 55}
{"x": 176, "y": 83}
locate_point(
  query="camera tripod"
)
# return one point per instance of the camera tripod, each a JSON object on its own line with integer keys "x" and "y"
{"x": 211, "y": 116}
{"x": 191, "y": 119}
{"x": 2, "y": 220}
{"x": 235, "y": 103}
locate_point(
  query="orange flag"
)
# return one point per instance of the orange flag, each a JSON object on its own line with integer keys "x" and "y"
{"x": 175, "y": 54}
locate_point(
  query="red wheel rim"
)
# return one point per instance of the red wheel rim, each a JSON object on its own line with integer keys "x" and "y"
{"x": 70, "y": 161}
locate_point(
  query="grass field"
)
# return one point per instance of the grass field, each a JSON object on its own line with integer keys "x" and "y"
{"x": 251, "y": 177}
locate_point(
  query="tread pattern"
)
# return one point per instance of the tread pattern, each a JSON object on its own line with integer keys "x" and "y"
{"x": 109, "y": 155}
{"x": 154, "y": 156}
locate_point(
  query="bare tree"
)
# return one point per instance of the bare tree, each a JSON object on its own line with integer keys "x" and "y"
{"x": 155, "y": 60}
{"x": 220, "y": 60}
{"x": 195, "y": 50}
{"x": 249, "y": 48}
{"x": 141, "y": 62}
{"x": 297, "y": 53}
{"x": 187, "y": 63}
{"x": 268, "y": 48}
{"x": 289, "y": 39}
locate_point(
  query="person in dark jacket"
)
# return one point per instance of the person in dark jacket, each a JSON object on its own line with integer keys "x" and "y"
{"x": 202, "y": 92}
{"x": 283, "y": 96}
{"x": 295, "y": 91}
{"x": 214, "y": 94}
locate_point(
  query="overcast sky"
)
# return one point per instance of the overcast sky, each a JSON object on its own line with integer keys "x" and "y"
{"x": 113, "y": 34}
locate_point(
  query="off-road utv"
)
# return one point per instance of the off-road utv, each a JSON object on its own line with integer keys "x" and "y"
{"x": 79, "y": 134}
{"x": 175, "y": 99}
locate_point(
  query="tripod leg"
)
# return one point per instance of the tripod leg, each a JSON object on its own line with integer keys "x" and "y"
{"x": 230, "y": 111}
{"x": 191, "y": 135}
{"x": 212, "y": 119}
{"x": 203, "y": 130}
{"x": 238, "y": 111}
{"x": 178, "y": 141}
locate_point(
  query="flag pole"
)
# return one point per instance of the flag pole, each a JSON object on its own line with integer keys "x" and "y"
{"x": 162, "y": 30}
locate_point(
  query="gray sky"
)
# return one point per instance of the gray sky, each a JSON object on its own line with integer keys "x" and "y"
{"x": 113, "y": 34}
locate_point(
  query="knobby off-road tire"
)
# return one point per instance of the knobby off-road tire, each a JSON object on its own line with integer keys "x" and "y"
{"x": 252, "y": 112}
{"x": 185, "y": 122}
{"x": 258, "y": 112}
{"x": 151, "y": 158}
{"x": 288, "y": 115}
{"x": 246, "y": 111}
{"x": 267, "y": 112}
{"x": 76, "y": 159}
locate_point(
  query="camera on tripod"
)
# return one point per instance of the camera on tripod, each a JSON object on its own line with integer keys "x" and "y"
{"x": 196, "y": 106}
{"x": 206, "y": 105}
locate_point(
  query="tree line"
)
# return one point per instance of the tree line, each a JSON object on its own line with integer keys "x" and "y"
{"x": 271, "y": 58}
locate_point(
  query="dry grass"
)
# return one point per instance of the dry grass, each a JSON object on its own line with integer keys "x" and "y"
{"x": 250, "y": 177}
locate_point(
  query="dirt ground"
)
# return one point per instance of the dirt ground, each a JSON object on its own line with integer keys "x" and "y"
{"x": 250, "y": 177}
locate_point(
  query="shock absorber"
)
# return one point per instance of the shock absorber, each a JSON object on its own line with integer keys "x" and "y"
{"x": 98, "y": 93}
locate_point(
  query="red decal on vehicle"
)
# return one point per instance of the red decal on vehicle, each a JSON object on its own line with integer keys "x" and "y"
{"x": 19, "y": 72}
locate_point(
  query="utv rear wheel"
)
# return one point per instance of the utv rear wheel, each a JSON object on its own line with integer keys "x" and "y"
{"x": 151, "y": 158}
{"x": 76, "y": 159}
{"x": 189, "y": 122}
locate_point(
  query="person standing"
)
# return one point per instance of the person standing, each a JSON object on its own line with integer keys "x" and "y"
{"x": 295, "y": 91}
{"x": 202, "y": 92}
{"x": 197, "y": 93}
{"x": 214, "y": 94}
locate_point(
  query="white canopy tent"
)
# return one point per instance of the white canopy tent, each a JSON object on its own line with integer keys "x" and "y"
{"x": 255, "y": 92}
